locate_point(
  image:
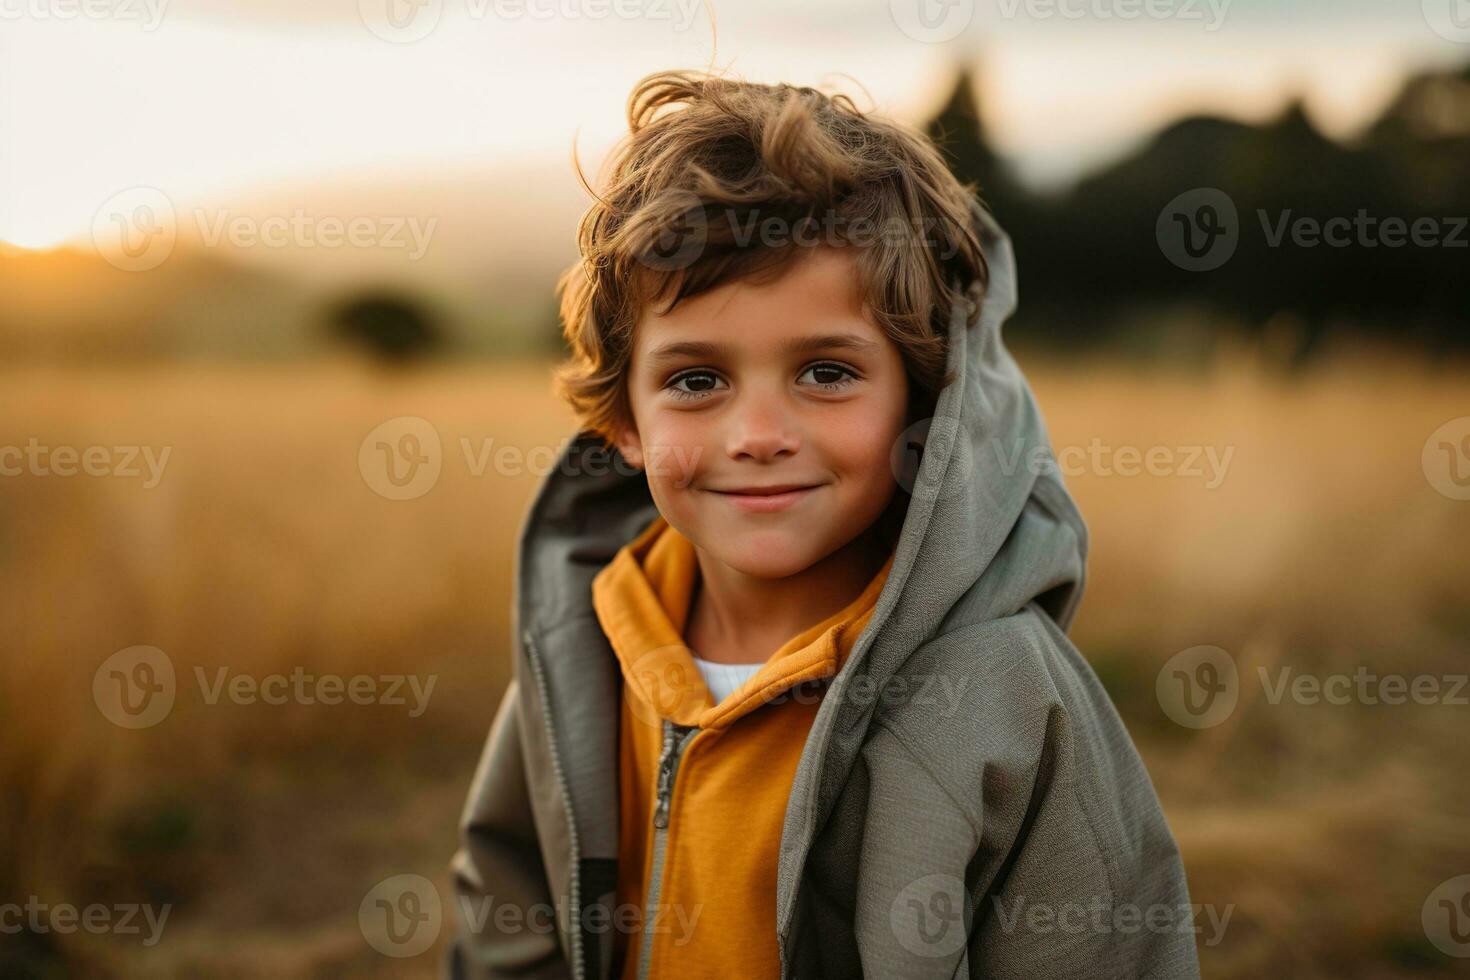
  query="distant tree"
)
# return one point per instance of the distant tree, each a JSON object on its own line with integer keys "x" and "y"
{"x": 390, "y": 327}
{"x": 959, "y": 131}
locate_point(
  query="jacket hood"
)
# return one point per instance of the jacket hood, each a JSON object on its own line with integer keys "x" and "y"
{"x": 989, "y": 528}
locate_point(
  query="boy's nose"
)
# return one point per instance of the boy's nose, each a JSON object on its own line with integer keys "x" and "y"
{"x": 761, "y": 431}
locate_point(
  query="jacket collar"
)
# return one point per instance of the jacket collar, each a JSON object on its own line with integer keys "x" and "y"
{"x": 642, "y": 599}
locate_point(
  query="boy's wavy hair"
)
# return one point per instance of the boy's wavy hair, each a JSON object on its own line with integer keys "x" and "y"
{"x": 695, "y": 193}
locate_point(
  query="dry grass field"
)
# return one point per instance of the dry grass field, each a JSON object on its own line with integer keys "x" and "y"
{"x": 1320, "y": 828}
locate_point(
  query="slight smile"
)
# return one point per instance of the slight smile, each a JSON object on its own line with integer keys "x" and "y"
{"x": 765, "y": 500}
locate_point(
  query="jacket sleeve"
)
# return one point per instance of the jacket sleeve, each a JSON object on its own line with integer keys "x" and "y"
{"x": 1094, "y": 886}
{"x": 503, "y": 918}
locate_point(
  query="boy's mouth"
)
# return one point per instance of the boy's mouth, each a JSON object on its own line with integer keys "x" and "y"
{"x": 766, "y": 499}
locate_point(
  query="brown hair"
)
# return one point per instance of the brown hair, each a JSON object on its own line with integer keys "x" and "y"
{"x": 729, "y": 159}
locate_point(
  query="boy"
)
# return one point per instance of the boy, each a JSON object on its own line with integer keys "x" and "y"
{"x": 793, "y": 695}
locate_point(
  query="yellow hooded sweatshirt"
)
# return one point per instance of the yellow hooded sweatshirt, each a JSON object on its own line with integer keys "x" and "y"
{"x": 715, "y": 914}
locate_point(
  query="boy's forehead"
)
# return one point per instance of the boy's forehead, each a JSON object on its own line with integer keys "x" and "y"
{"x": 818, "y": 293}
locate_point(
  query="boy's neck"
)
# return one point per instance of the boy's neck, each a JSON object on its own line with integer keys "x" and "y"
{"x": 736, "y": 618}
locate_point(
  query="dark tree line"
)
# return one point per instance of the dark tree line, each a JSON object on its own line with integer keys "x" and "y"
{"x": 1091, "y": 260}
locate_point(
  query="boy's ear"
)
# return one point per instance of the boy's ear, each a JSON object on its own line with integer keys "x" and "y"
{"x": 630, "y": 445}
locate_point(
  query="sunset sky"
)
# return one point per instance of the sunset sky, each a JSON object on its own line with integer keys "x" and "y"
{"x": 209, "y": 98}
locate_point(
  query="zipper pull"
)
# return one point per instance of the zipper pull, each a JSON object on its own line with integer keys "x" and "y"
{"x": 665, "y": 783}
{"x": 668, "y": 765}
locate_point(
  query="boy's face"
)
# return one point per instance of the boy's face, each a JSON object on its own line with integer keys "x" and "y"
{"x": 754, "y": 387}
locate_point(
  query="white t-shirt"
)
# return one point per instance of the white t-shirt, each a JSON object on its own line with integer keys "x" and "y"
{"x": 723, "y": 679}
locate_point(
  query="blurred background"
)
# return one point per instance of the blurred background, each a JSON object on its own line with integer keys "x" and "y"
{"x": 244, "y": 244}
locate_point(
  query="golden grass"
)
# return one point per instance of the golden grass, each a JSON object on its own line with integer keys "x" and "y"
{"x": 263, "y": 550}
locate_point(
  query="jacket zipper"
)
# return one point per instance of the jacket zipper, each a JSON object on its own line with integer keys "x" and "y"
{"x": 575, "y": 939}
{"x": 676, "y": 740}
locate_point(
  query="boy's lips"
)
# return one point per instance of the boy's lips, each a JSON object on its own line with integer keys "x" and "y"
{"x": 766, "y": 499}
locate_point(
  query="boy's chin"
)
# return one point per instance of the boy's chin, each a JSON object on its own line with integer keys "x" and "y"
{"x": 766, "y": 555}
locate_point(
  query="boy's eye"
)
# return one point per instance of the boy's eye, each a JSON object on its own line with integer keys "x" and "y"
{"x": 831, "y": 376}
{"x": 697, "y": 384}
{"x": 700, "y": 383}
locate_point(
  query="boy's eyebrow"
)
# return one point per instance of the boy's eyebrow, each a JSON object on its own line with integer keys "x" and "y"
{"x": 795, "y": 345}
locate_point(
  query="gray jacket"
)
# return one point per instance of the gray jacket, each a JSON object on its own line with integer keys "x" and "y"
{"x": 968, "y": 803}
